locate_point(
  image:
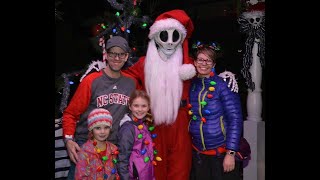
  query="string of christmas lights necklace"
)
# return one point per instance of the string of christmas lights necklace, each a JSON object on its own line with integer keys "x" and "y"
{"x": 146, "y": 142}
{"x": 104, "y": 158}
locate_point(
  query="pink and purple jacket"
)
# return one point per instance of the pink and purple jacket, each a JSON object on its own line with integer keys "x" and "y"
{"x": 91, "y": 167}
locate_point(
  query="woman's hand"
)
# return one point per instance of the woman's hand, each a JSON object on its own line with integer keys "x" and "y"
{"x": 229, "y": 163}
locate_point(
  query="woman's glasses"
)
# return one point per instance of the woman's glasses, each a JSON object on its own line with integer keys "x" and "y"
{"x": 207, "y": 61}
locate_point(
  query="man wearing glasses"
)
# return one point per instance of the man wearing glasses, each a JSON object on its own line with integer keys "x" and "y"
{"x": 107, "y": 89}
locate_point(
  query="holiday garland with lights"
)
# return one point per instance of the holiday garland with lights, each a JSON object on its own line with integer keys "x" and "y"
{"x": 130, "y": 15}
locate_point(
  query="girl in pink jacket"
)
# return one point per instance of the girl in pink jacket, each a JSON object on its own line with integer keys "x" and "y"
{"x": 97, "y": 157}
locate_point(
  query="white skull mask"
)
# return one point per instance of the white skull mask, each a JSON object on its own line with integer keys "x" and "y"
{"x": 254, "y": 18}
{"x": 168, "y": 41}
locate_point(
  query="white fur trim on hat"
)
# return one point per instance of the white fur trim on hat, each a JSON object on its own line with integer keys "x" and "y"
{"x": 165, "y": 24}
{"x": 187, "y": 71}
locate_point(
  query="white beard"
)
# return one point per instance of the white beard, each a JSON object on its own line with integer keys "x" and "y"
{"x": 163, "y": 84}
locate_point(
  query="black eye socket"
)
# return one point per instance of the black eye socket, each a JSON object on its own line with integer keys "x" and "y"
{"x": 176, "y": 36}
{"x": 164, "y": 36}
{"x": 251, "y": 20}
{"x": 257, "y": 19}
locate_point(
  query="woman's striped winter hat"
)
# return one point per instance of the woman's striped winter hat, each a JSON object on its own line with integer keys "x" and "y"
{"x": 98, "y": 117}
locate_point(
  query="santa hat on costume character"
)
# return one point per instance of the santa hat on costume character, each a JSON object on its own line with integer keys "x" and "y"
{"x": 253, "y": 10}
{"x": 179, "y": 20}
{"x": 98, "y": 117}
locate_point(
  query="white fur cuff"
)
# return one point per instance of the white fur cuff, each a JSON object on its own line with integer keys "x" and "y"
{"x": 165, "y": 24}
{"x": 187, "y": 71}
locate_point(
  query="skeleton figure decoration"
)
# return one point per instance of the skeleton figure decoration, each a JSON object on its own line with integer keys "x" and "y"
{"x": 252, "y": 23}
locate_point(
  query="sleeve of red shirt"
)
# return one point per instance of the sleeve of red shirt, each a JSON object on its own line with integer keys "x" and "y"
{"x": 136, "y": 72}
{"x": 78, "y": 104}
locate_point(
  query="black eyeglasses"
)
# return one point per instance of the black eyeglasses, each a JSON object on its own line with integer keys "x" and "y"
{"x": 114, "y": 55}
{"x": 201, "y": 61}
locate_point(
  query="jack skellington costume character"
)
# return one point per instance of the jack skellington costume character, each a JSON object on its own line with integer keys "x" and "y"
{"x": 165, "y": 74}
{"x": 252, "y": 23}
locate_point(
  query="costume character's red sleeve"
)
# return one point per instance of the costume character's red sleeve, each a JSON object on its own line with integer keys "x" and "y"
{"x": 136, "y": 72}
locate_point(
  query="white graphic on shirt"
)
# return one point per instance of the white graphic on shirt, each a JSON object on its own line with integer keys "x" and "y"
{"x": 112, "y": 98}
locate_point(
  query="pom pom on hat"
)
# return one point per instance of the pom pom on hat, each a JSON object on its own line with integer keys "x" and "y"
{"x": 98, "y": 117}
{"x": 175, "y": 19}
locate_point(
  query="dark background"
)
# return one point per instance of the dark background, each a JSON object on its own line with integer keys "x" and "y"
{"x": 214, "y": 20}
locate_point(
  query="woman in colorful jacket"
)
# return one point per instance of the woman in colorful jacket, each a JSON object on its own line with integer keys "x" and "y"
{"x": 216, "y": 122}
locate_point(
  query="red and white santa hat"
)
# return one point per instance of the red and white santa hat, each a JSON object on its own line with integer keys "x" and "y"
{"x": 177, "y": 19}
